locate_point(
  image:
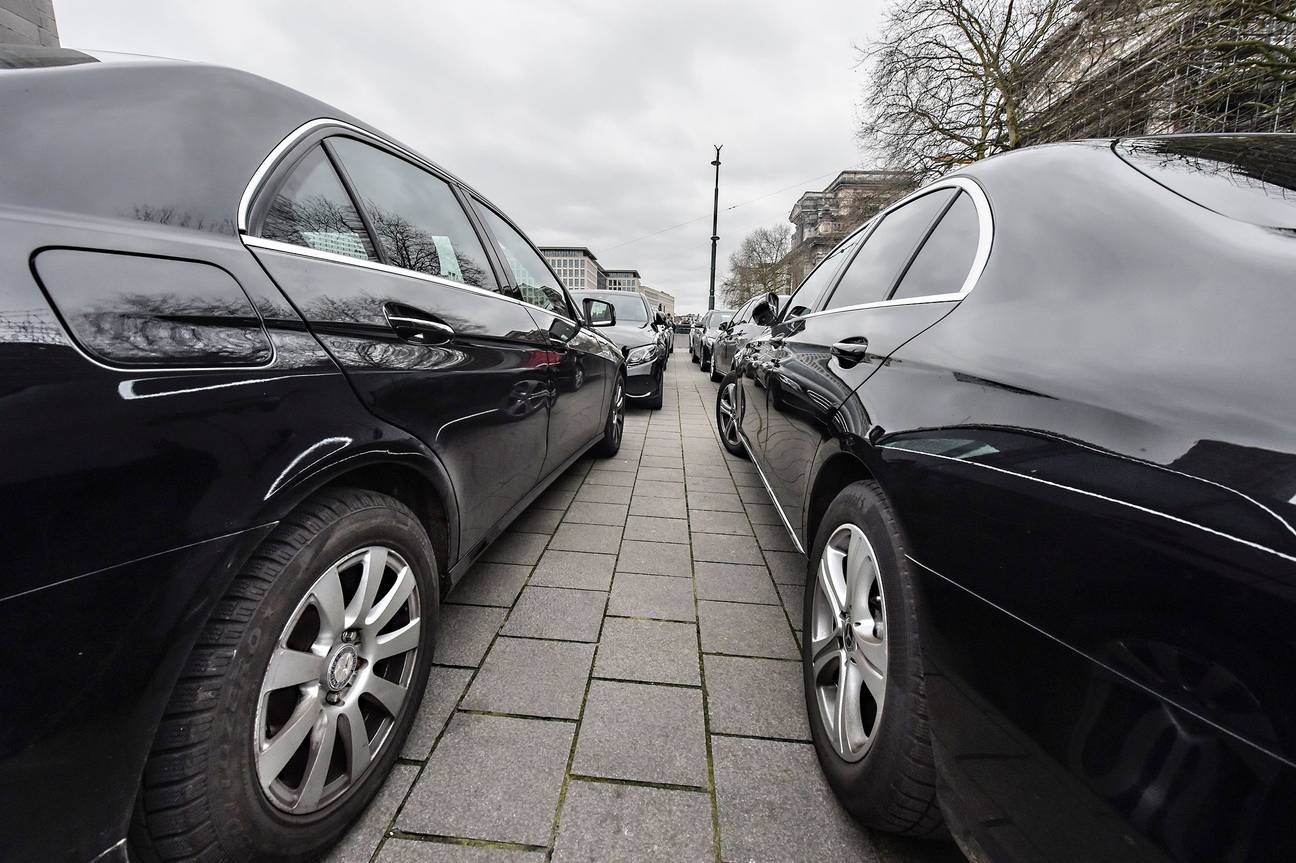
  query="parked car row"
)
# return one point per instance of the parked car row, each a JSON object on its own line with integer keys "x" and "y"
{"x": 1035, "y": 429}
{"x": 271, "y": 383}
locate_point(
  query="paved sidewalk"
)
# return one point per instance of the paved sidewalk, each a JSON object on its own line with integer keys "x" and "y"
{"x": 618, "y": 679}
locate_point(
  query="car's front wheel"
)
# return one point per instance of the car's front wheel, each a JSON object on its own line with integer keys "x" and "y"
{"x": 299, "y": 694}
{"x": 614, "y": 425}
{"x": 729, "y": 416}
{"x": 862, "y": 668}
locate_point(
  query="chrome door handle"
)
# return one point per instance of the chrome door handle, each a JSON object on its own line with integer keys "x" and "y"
{"x": 416, "y": 325}
{"x": 850, "y": 351}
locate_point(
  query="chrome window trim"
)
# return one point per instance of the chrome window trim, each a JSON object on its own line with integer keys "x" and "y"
{"x": 980, "y": 259}
{"x": 295, "y": 137}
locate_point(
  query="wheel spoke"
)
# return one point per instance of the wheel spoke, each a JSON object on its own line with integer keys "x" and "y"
{"x": 869, "y": 650}
{"x": 375, "y": 564}
{"x": 832, "y": 590}
{"x": 824, "y": 650}
{"x": 398, "y": 641}
{"x": 874, "y": 679}
{"x": 859, "y": 571}
{"x": 394, "y": 601}
{"x": 281, "y": 748}
{"x": 317, "y": 762}
{"x": 357, "y": 740}
{"x": 292, "y": 668}
{"x": 390, "y": 695}
{"x": 850, "y": 724}
{"x": 329, "y": 601}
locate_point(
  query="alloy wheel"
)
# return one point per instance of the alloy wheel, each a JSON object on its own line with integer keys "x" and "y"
{"x": 337, "y": 681}
{"x": 848, "y": 642}
{"x": 729, "y": 414}
{"x": 618, "y": 412}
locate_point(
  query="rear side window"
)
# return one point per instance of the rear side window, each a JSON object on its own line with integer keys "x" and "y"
{"x": 312, "y": 209}
{"x": 807, "y": 296}
{"x": 535, "y": 284}
{"x": 415, "y": 216}
{"x": 943, "y": 263}
{"x": 887, "y": 250}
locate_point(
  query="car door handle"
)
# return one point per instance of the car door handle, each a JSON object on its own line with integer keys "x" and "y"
{"x": 416, "y": 325}
{"x": 850, "y": 351}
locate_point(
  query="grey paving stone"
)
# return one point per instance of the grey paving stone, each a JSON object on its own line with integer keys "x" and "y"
{"x": 536, "y": 520}
{"x": 746, "y": 479}
{"x": 642, "y": 732}
{"x": 734, "y": 582}
{"x": 755, "y": 697}
{"x": 418, "y": 851}
{"x": 514, "y": 547}
{"x": 491, "y": 584}
{"x": 773, "y": 537}
{"x": 492, "y": 777}
{"x": 466, "y": 632}
{"x": 745, "y": 630}
{"x": 774, "y": 804}
{"x": 444, "y": 687}
{"x": 714, "y": 500}
{"x": 654, "y": 558}
{"x": 667, "y": 461}
{"x": 628, "y": 464}
{"x": 715, "y": 521}
{"x": 653, "y": 488}
{"x": 577, "y": 569}
{"x": 787, "y": 567}
{"x": 603, "y": 821}
{"x": 584, "y": 512}
{"x": 763, "y": 513}
{"x": 651, "y": 529}
{"x": 532, "y": 678}
{"x": 602, "y": 538}
{"x": 358, "y": 845}
{"x": 656, "y": 596}
{"x": 610, "y": 477}
{"x": 662, "y": 474}
{"x": 652, "y": 651}
{"x": 720, "y": 484}
{"x": 793, "y": 596}
{"x": 700, "y": 468}
{"x": 555, "y": 498}
{"x": 603, "y": 494}
{"x": 753, "y": 494}
{"x": 555, "y": 612}
{"x": 661, "y": 507}
{"x": 726, "y": 548}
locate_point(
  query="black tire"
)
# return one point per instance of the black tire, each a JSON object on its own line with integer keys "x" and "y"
{"x": 655, "y": 403}
{"x": 728, "y": 438}
{"x": 893, "y": 786}
{"x": 706, "y": 360}
{"x": 716, "y": 376}
{"x": 200, "y": 797}
{"x": 694, "y": 357}
{"x": 614, "y": 426}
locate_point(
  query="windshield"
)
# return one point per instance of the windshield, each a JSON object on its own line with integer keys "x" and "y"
{"x": 630, "y": 308}
{"x": 716, "y": 318}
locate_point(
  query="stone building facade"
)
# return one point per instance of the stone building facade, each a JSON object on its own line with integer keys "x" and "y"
{"x": 28, "y": 22}
{"x": 821, "y": 219}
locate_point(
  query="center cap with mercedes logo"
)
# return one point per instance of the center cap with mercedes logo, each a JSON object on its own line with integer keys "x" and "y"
{"x": 342, "y": 668}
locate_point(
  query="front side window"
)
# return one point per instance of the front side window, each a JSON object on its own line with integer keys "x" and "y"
{"x": 415, "y": 216}
{"x": 942, "y": 264}
{"x": 535, "y": 284}
{"x": 743, "y": 315}
{"x": 887, "y": 250}
{"x": 312, "y": 209}
{"x": 806, "y": 297}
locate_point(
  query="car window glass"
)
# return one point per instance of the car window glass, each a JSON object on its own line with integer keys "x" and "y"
{"x": 942, "y": 264}
{"x": 743, "y": 315}
{"x": 535, "y": 284}
{"x": 630, "y": 308}
{"x": 415, "y": 216}
{"x": 806, "y": 297}
{"x": 886, "y": 251}
{"x": 312, "y": 209}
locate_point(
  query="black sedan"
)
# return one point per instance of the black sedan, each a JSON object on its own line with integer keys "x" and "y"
{"x": 271, "y": 382}
{"x": 1035, "y": 427}
{"x": 640, "y": 333}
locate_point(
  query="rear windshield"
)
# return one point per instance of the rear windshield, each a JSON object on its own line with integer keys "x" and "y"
{"x": 715, "y": 319}
{"x": 1251, "y": 178}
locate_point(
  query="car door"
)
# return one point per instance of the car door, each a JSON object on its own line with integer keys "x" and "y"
{"x": 759, "y": 359}
{"x": 582, "y": 366}
{"x": 727, "y": 342}
{"x": 403, "y": 294}
{"x": 818, "y": 360}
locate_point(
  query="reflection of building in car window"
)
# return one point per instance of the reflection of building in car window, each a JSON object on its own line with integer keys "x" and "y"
{"x": 338, "y": 244}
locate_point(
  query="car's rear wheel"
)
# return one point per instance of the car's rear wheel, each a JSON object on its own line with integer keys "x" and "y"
{"x": 716, "y": 375}
{"x": 706, "y": 360}
{"x": 729, "y": 416}
{"x": 693, "y": 356}
{"x": 614, "y": 426}
{"x": 301, "y": 689}
{"x": 862, "y": 668}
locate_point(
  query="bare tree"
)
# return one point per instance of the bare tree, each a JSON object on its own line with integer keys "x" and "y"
{"x": 759, "y": 266}
{"x": 948, "y": 78}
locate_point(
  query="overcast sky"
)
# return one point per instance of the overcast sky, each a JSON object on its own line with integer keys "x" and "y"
{"x": 590, "y": 123}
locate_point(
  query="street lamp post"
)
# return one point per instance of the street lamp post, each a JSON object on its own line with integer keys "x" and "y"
{"x": 715, "y": 237}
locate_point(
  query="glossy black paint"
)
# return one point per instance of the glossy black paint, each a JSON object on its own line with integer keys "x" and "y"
{"x": 735, "y": 337}
{"x": 644, "y": 380}
{"x": 168, "y": 395}
{"x": 1093, "y": 457}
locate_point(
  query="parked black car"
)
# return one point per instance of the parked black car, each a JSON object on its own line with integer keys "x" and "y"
{"x": 734, "y": 335}
{"x": 703, "y": 335}
{"x": 270, "y": 383}
{"x": 1035, "y": 426}
{"x": 639, "y": 332}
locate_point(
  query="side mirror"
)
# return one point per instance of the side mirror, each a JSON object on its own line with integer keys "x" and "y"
{"x": 659, "y": 319}
{"x": 766, "y": 311}
{"x": 726, "y": 326}
{"x": 598, "y": 313}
